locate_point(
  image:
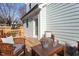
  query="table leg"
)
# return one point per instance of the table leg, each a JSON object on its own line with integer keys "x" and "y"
{"x": 33, "y": 52}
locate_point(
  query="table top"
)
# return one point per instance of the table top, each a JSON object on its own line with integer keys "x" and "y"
{"x": 47, "y": 51}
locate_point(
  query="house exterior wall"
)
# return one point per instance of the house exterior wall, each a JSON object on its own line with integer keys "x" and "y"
{"x": 42, "y": 23}
{"x": 63, "y": 20}
{"x": 30, "y": 30}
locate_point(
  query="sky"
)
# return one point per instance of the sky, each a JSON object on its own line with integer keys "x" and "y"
{"x": 18, "y": 6}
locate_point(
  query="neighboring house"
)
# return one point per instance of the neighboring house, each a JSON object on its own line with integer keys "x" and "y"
{"x": 60, "y": 18}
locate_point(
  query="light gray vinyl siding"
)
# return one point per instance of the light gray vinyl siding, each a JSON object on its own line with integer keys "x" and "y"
{"x": 63, "y": 20}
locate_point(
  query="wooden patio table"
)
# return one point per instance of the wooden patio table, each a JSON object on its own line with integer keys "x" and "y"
{"x": 38, "y": 50}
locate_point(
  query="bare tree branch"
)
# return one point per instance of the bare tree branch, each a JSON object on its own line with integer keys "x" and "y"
{"x": 8, "y": 12}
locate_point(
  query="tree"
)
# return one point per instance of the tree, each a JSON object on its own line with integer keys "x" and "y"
{"x": 8, "y": 12}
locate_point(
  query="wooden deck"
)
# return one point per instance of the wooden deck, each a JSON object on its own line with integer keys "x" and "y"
{"x": 30, "y": 42}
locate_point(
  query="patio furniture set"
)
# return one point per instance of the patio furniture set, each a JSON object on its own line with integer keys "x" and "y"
{"x": 48, "y": 46}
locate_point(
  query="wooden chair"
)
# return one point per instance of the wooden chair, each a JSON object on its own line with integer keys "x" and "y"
{"x": 16, "y": 49}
